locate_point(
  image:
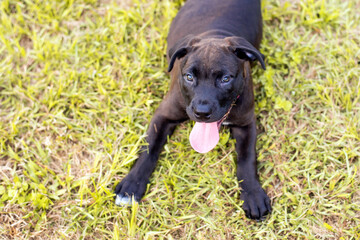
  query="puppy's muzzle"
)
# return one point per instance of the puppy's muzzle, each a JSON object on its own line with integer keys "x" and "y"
{"x": 202, "y": 112}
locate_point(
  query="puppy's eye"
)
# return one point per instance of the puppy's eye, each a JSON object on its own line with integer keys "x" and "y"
{"x": 226, "y": 79}
{"x": 189, "y": 77}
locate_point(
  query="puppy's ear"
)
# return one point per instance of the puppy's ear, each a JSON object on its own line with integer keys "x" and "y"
{"x": 244, "y": 50}
{"x": 180, "y": 49}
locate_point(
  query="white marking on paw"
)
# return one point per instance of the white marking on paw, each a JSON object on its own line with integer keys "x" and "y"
{"x": 121, "y": 201}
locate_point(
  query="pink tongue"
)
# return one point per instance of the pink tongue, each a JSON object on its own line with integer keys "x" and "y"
{"x": 204, "y": 136}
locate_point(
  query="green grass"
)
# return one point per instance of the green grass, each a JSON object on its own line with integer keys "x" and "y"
{"x": 79, "y": 81}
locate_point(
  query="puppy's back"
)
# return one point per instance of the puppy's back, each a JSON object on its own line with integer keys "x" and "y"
{"x": 236, "y": 17}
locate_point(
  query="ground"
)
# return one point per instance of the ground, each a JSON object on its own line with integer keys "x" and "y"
{"x": 79, "y": 81}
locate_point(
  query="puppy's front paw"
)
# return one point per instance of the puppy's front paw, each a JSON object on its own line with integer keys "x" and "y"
{"x": 130, "y": 187}
{"x": 256, "y": 203}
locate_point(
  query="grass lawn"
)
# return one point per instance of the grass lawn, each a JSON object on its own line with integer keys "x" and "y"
{"x": 80, "y": 79}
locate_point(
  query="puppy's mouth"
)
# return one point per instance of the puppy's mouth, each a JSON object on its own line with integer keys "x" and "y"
{"x": 205, "y": 136}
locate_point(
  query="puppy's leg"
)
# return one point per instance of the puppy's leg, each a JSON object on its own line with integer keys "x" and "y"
{"x": 256, "y": 202}
{"x": 166, "y": 118}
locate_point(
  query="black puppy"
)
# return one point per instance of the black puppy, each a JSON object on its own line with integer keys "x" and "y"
{"x": 210, "y": 46}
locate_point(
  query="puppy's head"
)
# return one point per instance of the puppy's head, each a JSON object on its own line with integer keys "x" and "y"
{"x": 211, "y": 73}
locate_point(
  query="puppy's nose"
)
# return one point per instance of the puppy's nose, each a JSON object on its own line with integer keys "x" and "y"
{"x": 202, "y": 111}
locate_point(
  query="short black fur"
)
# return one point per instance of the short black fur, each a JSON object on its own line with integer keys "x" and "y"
{"x": 211, "y": 36}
